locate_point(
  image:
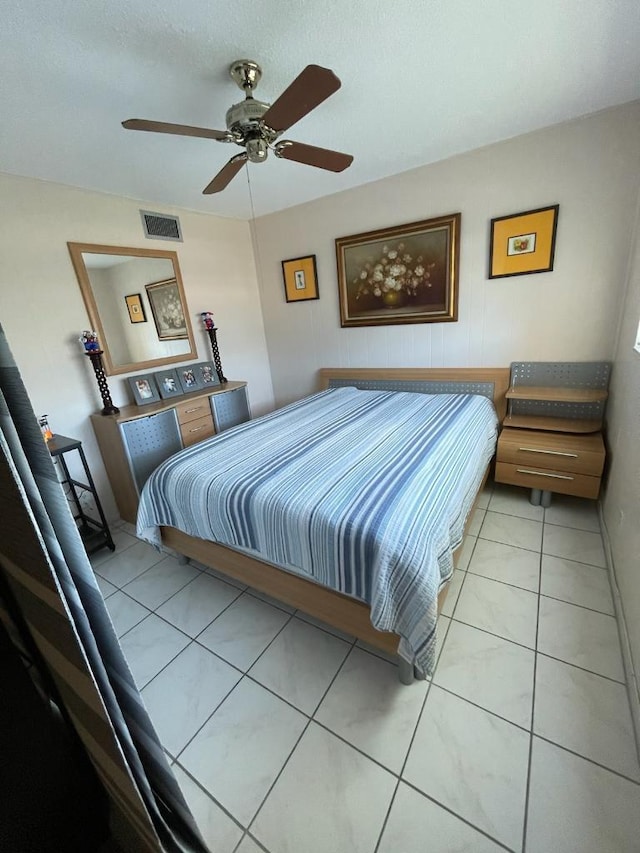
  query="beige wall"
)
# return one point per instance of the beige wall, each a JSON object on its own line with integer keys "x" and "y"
{"x": 621, "y": 504}
{"x": 42, "y": 310}
{"x": 590, "y": 167}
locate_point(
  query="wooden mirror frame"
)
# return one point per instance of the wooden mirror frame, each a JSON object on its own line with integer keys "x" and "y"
{"x": 76, "y": 251}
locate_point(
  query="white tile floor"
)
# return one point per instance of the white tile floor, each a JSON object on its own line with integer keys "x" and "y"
{"x": 290, "y": 738}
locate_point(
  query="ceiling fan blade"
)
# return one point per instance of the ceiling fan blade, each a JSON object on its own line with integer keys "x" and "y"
{"x": 310, "y": 88}
{"x": 323, "y": 158}
{"x": 178, "y": 129}
{"x": 226, "y": 174}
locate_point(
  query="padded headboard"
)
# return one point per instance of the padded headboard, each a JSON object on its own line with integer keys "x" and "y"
{"x": 491, "y": 382}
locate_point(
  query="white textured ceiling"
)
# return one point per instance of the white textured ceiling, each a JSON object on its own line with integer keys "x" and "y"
{"x": 421, "y": 80}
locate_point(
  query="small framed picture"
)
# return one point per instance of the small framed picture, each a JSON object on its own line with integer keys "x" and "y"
{"x": 189, "y": 379}
{"x": 206, "y": 373}
{"x": 523, "y": 243}
{"x": 135, "y": 308}
{"x": 300, "y": 279}
{"x": 168, "y": 383}
{"x": 144, "y": 389}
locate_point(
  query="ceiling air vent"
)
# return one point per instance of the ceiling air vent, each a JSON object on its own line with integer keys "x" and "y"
{"x": 158, "y": 226}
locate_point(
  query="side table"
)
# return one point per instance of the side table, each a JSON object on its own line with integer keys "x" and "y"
{"x": 95, "y": 534}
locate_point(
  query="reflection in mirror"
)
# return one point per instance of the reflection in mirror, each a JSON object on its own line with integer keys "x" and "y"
{"x": 136, "y": 304}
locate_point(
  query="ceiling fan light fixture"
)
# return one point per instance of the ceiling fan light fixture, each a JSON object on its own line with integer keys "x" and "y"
{"x": 257, "y": 150}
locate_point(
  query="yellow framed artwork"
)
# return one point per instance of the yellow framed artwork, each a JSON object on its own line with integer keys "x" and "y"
{"x": 300, "y": 279}
{"x": 523, "y": 243}
{"x": 135, "y": 308}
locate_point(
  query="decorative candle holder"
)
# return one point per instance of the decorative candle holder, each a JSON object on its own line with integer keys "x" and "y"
{"x": 207, "y": 319}
{"x": 95, "y": 357}
{"x": 89, "y": 341}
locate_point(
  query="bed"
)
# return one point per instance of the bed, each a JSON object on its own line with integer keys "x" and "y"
{"x": 349, "y": 504}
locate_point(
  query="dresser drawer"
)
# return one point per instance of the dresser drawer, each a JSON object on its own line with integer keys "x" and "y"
{"x": 192, "y": 410}
{"x": 565, "y": 453}
{"x": 548, "y": 479}
{"x": 197, "y": 430}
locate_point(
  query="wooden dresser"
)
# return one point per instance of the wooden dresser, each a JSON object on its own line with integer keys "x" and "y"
{"x": 551, "y": 439}
{"x": 134, "y": 442}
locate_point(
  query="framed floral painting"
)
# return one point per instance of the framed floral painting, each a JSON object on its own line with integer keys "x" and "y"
{"x": 166, "y": 307}
{"x": 404, "y": 274}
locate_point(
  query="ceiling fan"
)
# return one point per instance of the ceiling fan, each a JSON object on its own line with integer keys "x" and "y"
{"x": 256, "y": 126}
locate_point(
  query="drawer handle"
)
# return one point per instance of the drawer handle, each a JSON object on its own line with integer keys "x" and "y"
{"x": 197, "y": 429}
{"x": 549, "y": 452}
{"x": 541, "y": 474}
{"x": 196, "y": 409}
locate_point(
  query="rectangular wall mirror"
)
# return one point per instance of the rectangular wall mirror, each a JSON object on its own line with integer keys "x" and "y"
{"x": 136, "y": 304}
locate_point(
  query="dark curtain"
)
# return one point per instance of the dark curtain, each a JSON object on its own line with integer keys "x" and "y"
{"x": 53, "y": 588}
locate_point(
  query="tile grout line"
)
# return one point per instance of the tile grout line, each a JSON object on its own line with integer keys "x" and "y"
{"x": 257, "y": 843}
{"x": 482, "y": 707}
{"x": 406, "y": 758}
{"x": 295, "y": 746}
{"x": 574, "y": 604}
{"x": 405, "y": 781}
{"x": 586, "y": 758}
{"x": 582, "y": 668}
{"x": 428, "y": 691}
{"x": 633, "y": 695}
{"x": 543, "y": 594}
{"x": 192, "y": 640}
{"x": 208, "y": 793}
{"x": 244, "y": 674}
{"x": 116, "y": 554}
{"x": 507, "y": 639}
{"x": 140, "y": 576}
{"x": 462, "y": 819}
{"x": 193, "y": 580}
{"x": 543, "y": 520}
{"x": 497, "y": 580}
{"x": 387, "y": 815}
{"x": 140, "y": 688}
{"x": 525, "y": 821}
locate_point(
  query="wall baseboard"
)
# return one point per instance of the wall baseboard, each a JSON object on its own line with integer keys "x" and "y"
{"x": 633, "y": 688}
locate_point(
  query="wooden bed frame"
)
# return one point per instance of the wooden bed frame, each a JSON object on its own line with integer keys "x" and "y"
{"x": 334, "y": 608}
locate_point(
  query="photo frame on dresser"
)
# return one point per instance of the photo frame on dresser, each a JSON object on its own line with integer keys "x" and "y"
{"x": 190, "y": 379}
{"x": 206, "y": 372}
{"x": 144, "y": 389}
{"x": 168, "y": 383}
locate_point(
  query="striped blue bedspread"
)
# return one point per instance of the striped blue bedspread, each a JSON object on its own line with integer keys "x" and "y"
{"x": 366, "y": 492}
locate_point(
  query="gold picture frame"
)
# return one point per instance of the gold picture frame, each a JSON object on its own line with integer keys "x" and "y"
{"x": 523, "y": 243}
{"x": 135, "y": 308}
{"x": 300, "y": 279}
{"x": 405, "y": 274}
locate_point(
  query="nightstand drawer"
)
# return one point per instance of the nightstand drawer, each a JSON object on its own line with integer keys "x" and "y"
{"x": 197, "y": 430}
{"x": 192, "y": 410}
{"x": 580, "y": 454}
{"x": 553, "y": 480}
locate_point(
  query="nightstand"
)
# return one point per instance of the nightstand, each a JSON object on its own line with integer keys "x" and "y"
{"x": 95, "y": 534}
{"x": 567, "y": 463}
{"x": 551, "y": 439}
